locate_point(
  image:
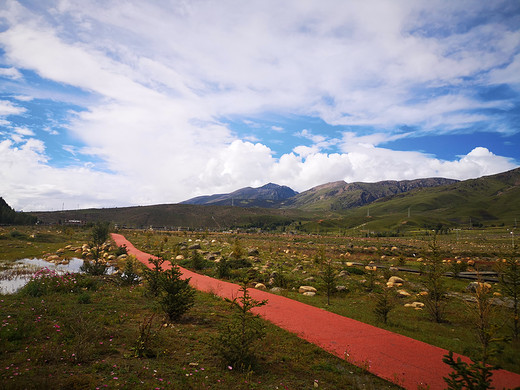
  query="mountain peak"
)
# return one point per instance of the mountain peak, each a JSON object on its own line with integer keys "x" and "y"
{"x": 266, "y": 196}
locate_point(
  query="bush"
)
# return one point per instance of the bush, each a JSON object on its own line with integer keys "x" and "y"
{"x": 84, "y": 298}
{"x": 121, "y": 250}
{"x": 223, "y": 269}
{"x": 239, "y": 263}
{"x": 95, "y": 267}
{"x": 18, "y": 235}
{"x": 47, "y": 281}
{"x": 130, "y": 275}
{"x": 355, "y": 271}
{"x": 197, "y": 261}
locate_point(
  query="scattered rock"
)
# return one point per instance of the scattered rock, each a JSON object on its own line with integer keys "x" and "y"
{"x": 415, "y": 305}
{"x": 276, "y": 290}
{"x": 304, "y": 289}
{"x": 396, "y": 279}
{"x": 194, "y": 247}
{"x": 179, "y": 257}
{"x": 309, "y": 293}
{"x": 341, "y": 288}
{"x": 310, "y": 279}
{"x": 403, "y": 293}
{"x": 472, "y": 287}
{"x": 253, "y": 252}
{"x": 260, "y": 286}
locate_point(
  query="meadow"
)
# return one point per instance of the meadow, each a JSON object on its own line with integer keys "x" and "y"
{"x": 86, "y": 336}
{"x": 84, "y": 332}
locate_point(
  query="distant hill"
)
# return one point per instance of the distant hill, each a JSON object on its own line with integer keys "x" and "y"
{"x": 333, "y": 196}
{"x": 267, "y": 196}
{"x": 340, "y": 195}
{"x": 10, "y": 217}
{"x": 174, "y": 216}
{"x": 489, "y": 200}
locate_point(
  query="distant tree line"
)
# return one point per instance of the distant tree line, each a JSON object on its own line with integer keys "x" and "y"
{"x": 10, "y": 217}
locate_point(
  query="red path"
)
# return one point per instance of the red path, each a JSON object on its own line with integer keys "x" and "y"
{"x": 391, "y": 356}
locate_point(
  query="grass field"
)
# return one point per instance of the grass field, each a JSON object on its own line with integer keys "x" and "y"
{"x": 85, "y": 337}
{"x": 293, "y": 259}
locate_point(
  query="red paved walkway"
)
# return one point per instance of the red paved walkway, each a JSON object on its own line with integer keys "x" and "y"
{"x": 399, "y": 359}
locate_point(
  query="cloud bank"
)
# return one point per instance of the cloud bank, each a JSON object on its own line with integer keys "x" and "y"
{"x": 154, "y": 89}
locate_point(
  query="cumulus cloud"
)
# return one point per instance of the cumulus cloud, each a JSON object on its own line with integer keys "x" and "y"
{"x": 157, "y": 83}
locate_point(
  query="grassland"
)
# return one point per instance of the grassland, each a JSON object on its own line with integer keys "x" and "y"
{"x": 294, "y": 260}
{"x": 85, "y": 337}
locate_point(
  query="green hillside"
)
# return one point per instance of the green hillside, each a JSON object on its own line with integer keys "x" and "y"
{"x": 179, "y": 216}
{"x": 491, "y": 200}
{"x": 337, "y": 196}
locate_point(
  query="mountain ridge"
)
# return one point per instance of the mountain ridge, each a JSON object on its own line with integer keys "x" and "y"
{"x": 263, "y": 196}
{"x": 337, "y": 195}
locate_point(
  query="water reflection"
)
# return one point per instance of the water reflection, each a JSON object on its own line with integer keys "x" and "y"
{"x": 15, "y": 275}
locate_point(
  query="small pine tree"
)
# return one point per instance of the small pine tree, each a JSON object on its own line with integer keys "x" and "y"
{"x": 474, "y": 376}
{"x": 197, "y": 260}
{"x": 385, "y": 302}
{"x": 509, "y": 273}
{"x": 153, "y": 275}
{"x": 477, "y": 375}
{"x": 176, "y": 296}
{"x": 99, "y": 235}
{"x": 328, "y": 277}
{"x": 434, "y": 270}
{"x": 237, "y": 251}
{"x": 223, "y": 268}
{"x": 237, "y": 339}
{"x": 130, "y": 275}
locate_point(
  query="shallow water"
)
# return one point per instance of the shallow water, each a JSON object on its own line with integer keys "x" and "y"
{"x": 15, "y": 275}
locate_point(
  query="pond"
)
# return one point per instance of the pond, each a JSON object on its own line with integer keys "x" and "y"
{"x": 15, "y": 275}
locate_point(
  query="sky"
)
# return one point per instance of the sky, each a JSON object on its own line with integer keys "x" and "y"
{"x": 121, "y": 103}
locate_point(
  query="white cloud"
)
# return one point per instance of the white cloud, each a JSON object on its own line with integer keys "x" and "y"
{"x": 24, "y": 131}
{"x": 161, "y": 80}
{"x": 11, "y": 73}
{"x": 23, "y": 98}
{"x": 7, "y": 108}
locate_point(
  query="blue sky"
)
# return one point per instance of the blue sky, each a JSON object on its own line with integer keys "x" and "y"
{"x": 132, "y": 103}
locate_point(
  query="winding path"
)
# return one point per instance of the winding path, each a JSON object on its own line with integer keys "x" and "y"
{"x": 399, "y": 359}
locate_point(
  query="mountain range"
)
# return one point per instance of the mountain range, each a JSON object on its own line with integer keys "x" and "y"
{"x": 337, "y": 195}
{"x": 387, "y": 206}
